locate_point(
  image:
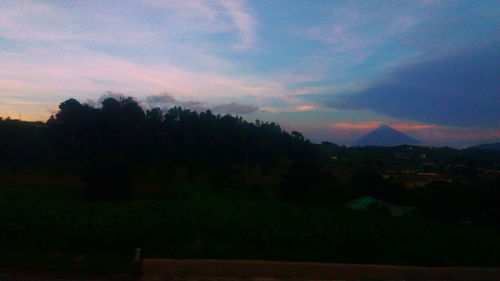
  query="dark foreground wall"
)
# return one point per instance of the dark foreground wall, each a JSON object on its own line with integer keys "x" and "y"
{"x": 168, "y": 269}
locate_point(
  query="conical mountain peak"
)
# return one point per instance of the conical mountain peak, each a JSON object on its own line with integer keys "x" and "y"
{"x": 384, "y": 127}
{"x": 386, "y": 136}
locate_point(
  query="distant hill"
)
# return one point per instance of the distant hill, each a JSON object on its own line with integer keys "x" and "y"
{"x": 488, "y": 146}
{"x": 386, "y": 136}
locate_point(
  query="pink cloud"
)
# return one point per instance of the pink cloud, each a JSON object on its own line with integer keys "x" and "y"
{"x": 361, "y": 126}
{"x": 470, "y": 134}
{"x": 305, "y": 107}
{"x": 370, "y": 125}
{"x": 414, "y": 127}
{"x": 90, "y": 74}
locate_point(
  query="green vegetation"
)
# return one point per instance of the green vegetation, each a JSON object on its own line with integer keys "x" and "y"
{"x": 84, "y": 190}
{"x": 229, "y": 224}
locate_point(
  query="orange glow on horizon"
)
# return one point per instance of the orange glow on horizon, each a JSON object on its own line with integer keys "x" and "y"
{"x": 365, "y": 126}
{"x": 305, "y": 107}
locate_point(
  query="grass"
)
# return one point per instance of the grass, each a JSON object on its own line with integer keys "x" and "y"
{"x": 49, "y": 226}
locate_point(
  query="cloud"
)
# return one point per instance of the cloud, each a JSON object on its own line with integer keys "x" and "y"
{"x": 193, "y": 105}
{"x": 359, "y": 28}
{"x": 235, "y": 108}
{"x": 105, "y": 23}
{"x": 65, "y": 74}
{"x": 460, "y": 89}
{"x": 112, "y": 95}
{"x": 238, "y": 11}
{"x": 210, "y": 17}
{"x": 49, "y": 24}
{"x": 305, "y": 107}
{"x": 161, "y": 99}
{"x": 370, "y": 125}
{"x": 166, "y": 100}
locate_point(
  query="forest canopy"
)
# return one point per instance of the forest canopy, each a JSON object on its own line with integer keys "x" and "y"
{"x": 120, "y": 127}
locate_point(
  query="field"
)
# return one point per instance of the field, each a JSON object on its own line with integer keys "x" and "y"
{"x": 46, "y": 223}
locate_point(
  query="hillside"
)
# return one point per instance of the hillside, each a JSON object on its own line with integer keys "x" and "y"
{"x": 488, "y": 146}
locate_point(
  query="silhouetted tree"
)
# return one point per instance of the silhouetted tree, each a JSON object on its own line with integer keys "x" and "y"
{"x": 298, "y": 135}
{"x": 121, "y": 128}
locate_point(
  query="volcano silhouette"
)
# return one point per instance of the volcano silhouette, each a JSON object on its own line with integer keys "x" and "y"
{"x": 385, "y": 136}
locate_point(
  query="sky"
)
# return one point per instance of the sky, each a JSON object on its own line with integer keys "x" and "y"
{"x": 333, "y": 70}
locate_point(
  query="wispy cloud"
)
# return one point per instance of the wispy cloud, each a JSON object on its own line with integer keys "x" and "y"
{"x": 44, "y": 23}
{"x": 354, "y": 27}
{"x": 210, "y": 17}
{"x": 131, "y": 26}
{"x": 93, "y": 72}
{"x": 239, "y": 12}
{"x": 82, "y": 49}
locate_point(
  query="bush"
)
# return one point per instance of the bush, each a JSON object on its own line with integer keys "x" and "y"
{"x": 305, "y": 181}
{"x": 108, "y": 179}
{"x": 256, "y": 189}
{"x": 225, "y": 177}
{"x": 367, "y": 182}
{"x": 379, "y": 209}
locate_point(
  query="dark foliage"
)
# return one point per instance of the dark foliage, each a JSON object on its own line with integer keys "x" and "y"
{"x": 378, "y": 209}
{"x": 23, "y": 141}
{"x": 256, "y": 189}
{"x": 121, "y": 128}
{"x": 218, "y": 150}
{"x": 108, "y": 179}
{"x": 458, "y": 202}
{"x": 206, "y": 188}
{"x": 306, "y": 181}
{"x": 367, "y": 182}
{"x": 224, "y": 179}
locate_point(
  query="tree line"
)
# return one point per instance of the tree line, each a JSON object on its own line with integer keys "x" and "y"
{"x": 121, "y": 128}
